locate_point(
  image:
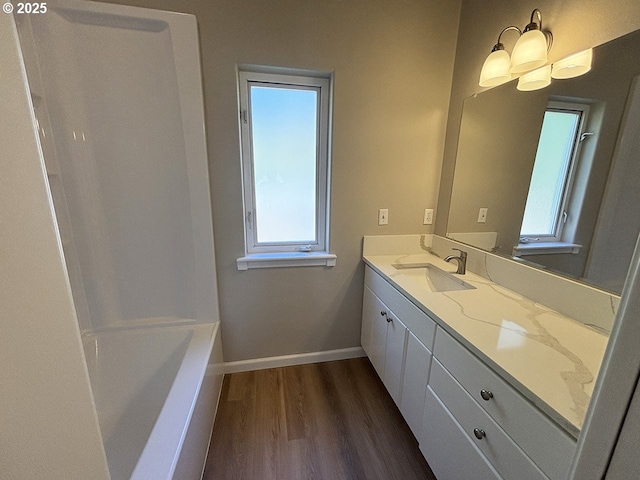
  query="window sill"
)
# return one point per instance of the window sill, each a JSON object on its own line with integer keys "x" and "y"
{"x": 545, "y": 248}
{"x": 293, "y": 259}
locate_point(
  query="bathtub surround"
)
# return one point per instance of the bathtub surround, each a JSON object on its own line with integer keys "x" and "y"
{"x": 127, "y": 177}
{"x": 45, "y": 386}
{"x": 197, "y": 439}
{"x": 144, "y": 413}
{"x": 128, "y": 174}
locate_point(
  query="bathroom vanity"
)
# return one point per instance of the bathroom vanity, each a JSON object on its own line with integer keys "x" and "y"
{"x": 492, "y": 384}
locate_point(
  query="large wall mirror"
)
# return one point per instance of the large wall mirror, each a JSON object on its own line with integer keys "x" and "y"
{"x": 557, "y": 170}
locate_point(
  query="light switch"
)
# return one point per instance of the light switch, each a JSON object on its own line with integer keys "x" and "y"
{"x": 383, "y": 216}
{"x": 482, "y": 215}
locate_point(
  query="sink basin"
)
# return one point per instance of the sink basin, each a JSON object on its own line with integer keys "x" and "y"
{"x": 434, "y": 278}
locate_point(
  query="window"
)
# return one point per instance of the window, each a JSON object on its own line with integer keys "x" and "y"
{"x": 546, "y": 209}
{"x": 284, "y": 121}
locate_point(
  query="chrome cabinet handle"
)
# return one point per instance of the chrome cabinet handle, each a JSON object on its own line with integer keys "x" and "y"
{"x": 479, "y": 433}
{"x": 486, "y": 394}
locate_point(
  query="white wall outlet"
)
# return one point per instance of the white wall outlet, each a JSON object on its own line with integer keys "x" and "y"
{"x": 482, "y": 215}
{"x": 383, "y": 216}
{"x": 428, "y": 216}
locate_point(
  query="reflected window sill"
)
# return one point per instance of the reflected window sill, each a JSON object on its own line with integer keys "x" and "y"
{"x": 545, "y": 248}
{"x": 290, "y": 259}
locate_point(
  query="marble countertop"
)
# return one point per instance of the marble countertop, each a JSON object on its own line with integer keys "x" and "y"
{"x": 549, "y": 358}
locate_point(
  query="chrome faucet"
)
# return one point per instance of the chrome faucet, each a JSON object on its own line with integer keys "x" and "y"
{"x": 462, "y": 261}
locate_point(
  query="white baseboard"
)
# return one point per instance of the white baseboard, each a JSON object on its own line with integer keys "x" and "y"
{"x": 296, "y": 359}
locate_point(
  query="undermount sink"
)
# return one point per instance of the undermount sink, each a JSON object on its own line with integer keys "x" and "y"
{"x": 437, "y": 280}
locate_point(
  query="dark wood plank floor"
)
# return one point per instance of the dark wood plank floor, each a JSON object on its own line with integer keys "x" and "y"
{"x": 324, "y": 421}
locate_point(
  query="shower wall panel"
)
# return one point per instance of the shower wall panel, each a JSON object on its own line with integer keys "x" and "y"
{"x": 117, "y": 105}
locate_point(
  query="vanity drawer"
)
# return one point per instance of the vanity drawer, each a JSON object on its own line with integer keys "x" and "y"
{"x": 505, "y": 456}
{"x": 550, "y": 447}
{"x": 449, "y": 451}
{"x": 419, "y": 323}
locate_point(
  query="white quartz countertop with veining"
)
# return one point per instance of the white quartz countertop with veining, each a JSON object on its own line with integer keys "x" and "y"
{"x": 549, "y": 358}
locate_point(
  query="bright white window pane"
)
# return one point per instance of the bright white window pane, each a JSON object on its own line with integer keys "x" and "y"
{"x": 284, "y": 141}
{"x": 550, "y": 172}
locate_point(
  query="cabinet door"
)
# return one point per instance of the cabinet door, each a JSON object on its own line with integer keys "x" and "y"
{"x": 374, "y": 330}
{"x": 394, "y": 358}
{"x": 414, "y": 384}
{"x": 448, "y": 450}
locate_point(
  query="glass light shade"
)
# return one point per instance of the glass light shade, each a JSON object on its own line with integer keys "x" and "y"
{"x": 573, "y": 66}
{"x": 529, "y": 52}
{"x": 495, "y": 70}
{"x": 535, "y": 80}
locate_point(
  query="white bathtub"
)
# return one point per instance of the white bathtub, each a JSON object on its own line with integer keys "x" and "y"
{"x": 145, "y": 384}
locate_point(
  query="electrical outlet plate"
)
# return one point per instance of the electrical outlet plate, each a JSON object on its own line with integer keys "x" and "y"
{"x": 383, "y": 216}
{"x": 428, "y": 216}
{"x": 482, "y": 215}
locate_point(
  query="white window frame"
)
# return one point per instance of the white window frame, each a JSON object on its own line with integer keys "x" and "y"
{"x": 532, "y": 242}
{"x": 261, "y": 255}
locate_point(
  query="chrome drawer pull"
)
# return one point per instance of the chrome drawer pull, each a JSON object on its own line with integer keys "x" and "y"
{"x": 479, "y": 433}
{"x": 486, "y": 394}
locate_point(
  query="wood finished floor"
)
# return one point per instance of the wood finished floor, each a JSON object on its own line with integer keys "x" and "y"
{"x": 324, "y": 421}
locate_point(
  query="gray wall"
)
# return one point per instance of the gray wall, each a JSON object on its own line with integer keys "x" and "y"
{"x": 393, "y": 66}
{"x": 576, "y": 25}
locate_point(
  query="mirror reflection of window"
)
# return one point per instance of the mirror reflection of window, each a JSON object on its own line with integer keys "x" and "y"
{"x": 547, "y": 205}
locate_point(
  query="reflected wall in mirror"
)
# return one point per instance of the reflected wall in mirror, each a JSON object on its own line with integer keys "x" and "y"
{"x": 593, "y": 217}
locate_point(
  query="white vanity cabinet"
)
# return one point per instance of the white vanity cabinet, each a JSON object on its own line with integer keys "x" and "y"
{"x": 470, "y": 422}
{"x": 398, "y": 338}
{"x": 383, "y": 338}
{"x": 373, "y": 336}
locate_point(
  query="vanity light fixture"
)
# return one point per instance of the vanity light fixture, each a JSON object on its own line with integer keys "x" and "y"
{"x": 535, "y": 80}
{"x": 495, "y": 70}
{"x": 573, "y": 66}
{"x": 529, "y": 58}
{"x": 530, "y": 51}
